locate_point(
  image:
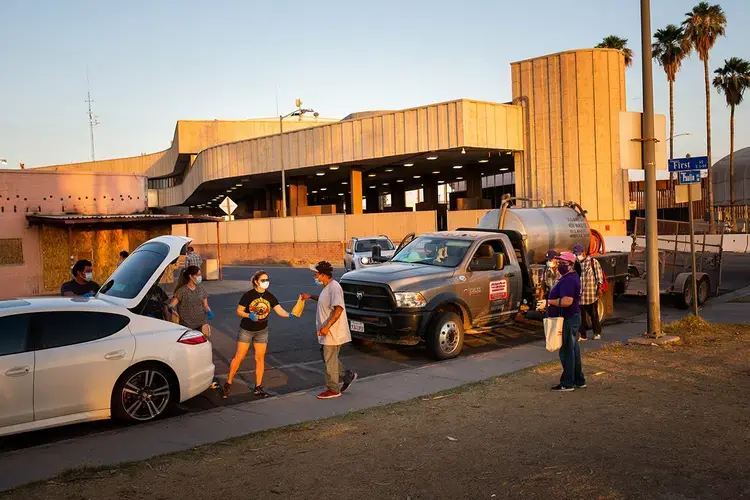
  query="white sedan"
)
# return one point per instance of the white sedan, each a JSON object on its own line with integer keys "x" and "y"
{"x": 66, "y": 360}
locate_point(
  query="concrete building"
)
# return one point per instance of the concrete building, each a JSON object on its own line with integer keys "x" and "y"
{"x": 559, "y": 139}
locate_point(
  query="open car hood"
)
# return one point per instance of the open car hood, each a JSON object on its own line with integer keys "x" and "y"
{"x": 143, "y": 268}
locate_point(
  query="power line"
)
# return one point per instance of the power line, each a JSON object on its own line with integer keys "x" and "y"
{"x": 93, "y": 119}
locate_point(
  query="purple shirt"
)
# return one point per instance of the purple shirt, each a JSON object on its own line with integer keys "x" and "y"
{"x": 567, "y": 286}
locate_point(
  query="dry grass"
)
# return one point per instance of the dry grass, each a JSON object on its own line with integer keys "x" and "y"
{"x": 654, "y": 423}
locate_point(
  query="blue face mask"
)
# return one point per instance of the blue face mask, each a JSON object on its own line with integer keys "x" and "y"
{"x": 318, "y": 282}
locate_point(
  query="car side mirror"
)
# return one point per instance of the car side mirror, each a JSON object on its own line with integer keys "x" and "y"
{"x": 348, "y": 251}
{"x": 500, "y": 262}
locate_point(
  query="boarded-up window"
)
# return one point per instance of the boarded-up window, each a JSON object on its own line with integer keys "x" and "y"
{"x": 11, "y": 251}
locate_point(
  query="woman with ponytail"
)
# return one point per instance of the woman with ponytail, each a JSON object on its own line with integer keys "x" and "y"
{"x": 190, "y": 302}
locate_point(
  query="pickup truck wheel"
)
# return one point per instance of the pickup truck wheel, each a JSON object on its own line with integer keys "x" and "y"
{"x": 446, "y": 337}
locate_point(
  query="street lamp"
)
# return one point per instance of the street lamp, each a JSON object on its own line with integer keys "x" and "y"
{"x": 297, "y": 112}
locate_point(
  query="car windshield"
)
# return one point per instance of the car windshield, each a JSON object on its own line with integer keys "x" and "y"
{"x": 129, "y": 279}
{"x": 366, "y": 245}
{"x": 434, "y": 251}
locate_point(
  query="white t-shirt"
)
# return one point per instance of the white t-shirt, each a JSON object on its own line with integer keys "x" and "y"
{"x": 332, "y": 296}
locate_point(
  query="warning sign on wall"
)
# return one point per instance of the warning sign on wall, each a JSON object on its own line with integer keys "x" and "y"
{"x": 498, "y": 290}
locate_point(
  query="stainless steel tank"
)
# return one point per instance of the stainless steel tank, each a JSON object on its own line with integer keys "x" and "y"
{"x": 543, "y": 229}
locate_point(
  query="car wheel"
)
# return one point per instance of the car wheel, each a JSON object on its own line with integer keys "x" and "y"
{"x": 704, "y": 289}
{"x": 446, "y": 337}
{"x": 144, "y": 392}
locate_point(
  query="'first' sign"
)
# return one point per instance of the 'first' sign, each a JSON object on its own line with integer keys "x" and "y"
{"x": 693, "y": 163}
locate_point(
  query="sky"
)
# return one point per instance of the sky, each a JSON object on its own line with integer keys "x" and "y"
{"x": 151, "y": 63}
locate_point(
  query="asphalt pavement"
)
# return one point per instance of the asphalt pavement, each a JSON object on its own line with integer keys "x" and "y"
{"x": 293, "y": 361}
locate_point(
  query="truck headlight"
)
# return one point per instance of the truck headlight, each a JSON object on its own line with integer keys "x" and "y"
{"x": 410, "y": 300}
{"x": 365, "y": 260}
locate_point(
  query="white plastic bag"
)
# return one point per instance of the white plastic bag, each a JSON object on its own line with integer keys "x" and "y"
{"x": 553, "y": 332}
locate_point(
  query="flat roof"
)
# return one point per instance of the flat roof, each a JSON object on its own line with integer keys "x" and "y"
{"x": 69, "y": 220}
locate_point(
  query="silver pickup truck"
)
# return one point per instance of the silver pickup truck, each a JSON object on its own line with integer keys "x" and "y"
{"x": 442, "y": 284}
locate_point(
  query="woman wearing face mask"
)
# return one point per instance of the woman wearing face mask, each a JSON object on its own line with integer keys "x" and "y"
{"x": 254, "y": 308}
{"x": 563, "y": 301}
{"x": 189, "y": 304}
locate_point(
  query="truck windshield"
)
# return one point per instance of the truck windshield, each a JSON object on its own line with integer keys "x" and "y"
{"x": 366, "y": 245}
{"x": 434, "y": 251}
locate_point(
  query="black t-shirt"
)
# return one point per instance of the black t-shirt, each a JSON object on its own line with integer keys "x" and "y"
{"x": 78, "y": 289}
{"x": 259, "y": 303}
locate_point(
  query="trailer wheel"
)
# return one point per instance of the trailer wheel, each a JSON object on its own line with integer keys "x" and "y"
{"x": 445, "y": 338}
{"x": 685, "y": 300}
{"x": 704, "y": 289}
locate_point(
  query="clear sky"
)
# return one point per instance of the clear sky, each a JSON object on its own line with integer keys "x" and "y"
{"x": 154, "y": 62}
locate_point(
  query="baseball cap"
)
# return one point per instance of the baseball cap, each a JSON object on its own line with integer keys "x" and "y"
{"x": 322, "y": 267}
{"x": 567, "y": 256}
{"x": 551, "y": 254}
{"x": 578, "y": 249}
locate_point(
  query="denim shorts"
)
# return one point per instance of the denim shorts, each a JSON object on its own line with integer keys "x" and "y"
{"x": 259, "y": 337}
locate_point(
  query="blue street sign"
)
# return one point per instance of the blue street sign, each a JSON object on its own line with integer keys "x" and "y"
{"x": 690, "y": 176}
{"x": 694, "y": 163}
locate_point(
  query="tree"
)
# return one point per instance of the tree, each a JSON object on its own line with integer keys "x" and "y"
{"x": 670, "y": 49}
{"x": 617, "y": 43}
{"x": 732, "y": 80}
{"x": 703, "y": 26}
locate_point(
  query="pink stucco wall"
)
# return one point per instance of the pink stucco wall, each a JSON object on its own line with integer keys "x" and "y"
{"x": 25, "y": 192}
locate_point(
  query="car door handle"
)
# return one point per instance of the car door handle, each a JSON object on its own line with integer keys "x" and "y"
{"x": 510, "y": 275}
{"x": 18, "y": 371}
{"x": 115, "y": 355}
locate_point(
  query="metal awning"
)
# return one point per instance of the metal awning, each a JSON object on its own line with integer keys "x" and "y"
{"x": 71, "y": 220}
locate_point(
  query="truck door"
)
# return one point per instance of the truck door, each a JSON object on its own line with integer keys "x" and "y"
{"x": 492, "y": 285}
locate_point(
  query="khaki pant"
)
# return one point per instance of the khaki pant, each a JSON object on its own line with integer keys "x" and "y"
{"x": 335, "y": 370}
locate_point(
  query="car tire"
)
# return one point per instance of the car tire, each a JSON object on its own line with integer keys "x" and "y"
{"x": 445, "y": 338}
{"x": 143, "y": 393}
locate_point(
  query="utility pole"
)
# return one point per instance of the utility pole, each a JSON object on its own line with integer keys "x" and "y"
{"x": 93, "y": 119}
{"x": 649, "y": 165}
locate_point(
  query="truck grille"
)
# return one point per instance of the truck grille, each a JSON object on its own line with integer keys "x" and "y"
{"x": 372, "y": 297}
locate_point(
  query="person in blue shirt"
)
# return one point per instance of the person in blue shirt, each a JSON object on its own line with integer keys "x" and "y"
{"x": 564, "y": 301}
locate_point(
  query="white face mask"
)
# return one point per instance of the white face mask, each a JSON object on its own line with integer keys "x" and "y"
{"x": 89, "y": 276}
{"x": 550, "y": 264}
{"x": 198, "y": 279}
{"x": 265, "y": 284}
{"x": 580, "y": 258}
{"x": 318, "y": 282}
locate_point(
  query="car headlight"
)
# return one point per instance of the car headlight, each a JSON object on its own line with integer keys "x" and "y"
{"x": 365, "y": 260}
{"x": 410, "y": 300}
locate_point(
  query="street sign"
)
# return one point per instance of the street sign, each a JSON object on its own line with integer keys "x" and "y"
{"x": 690, "y": 176}
{"x": 228, "y": 206}
{"x": 692, "y": 163}
{"x": 682, "y": 195}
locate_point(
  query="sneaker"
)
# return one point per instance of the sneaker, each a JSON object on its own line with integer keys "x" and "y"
{"x": 346, "y": 384}
{"x": 329, "y": 395}
{"x": 597, "y": 337}
{"x": 580, "y": 386}
{"x": 227, "y": 390}
{"x": 562, "y": 388}
{"x": 259, "y": 391}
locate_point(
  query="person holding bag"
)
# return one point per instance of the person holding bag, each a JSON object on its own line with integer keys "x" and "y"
{"x": 564, "y": 301}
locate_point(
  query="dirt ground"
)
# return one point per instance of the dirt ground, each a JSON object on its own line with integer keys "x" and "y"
{"x": 654, "y": 423}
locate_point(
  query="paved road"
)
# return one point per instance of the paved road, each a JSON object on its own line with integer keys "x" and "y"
{"x": 293, "y": 360}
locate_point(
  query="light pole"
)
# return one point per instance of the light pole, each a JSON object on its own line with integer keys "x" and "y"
{"x": 297, "y": 112}
{"x": 649, "y": 160}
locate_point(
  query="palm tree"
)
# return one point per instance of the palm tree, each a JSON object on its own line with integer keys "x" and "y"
{"x": 732, "y": 80}
{"x": 670, "y": 49}
{"x": 703, "y": 25}
{"x": 617, "y": 43}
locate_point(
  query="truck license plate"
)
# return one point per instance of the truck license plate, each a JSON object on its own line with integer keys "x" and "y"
{"x": 357, "y": 326}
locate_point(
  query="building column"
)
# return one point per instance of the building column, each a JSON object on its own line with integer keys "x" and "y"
{"x": 373, "y": 201}
{"x": 297, "y": 196}
{"x": 474, "y": 184}
{"x": 355, "y": 197}
{"x": 398, "y": 198}
{"x": 430, "y": 191}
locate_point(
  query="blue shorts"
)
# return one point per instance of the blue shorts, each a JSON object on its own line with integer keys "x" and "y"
{"x": 259, "y": 337}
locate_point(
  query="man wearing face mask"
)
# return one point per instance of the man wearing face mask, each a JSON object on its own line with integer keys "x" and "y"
{"x": 592, "y": 280}
{"x": 333, "y": 329}
{"x": 563, "y": 301}
{"x": 82, "y": 283}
